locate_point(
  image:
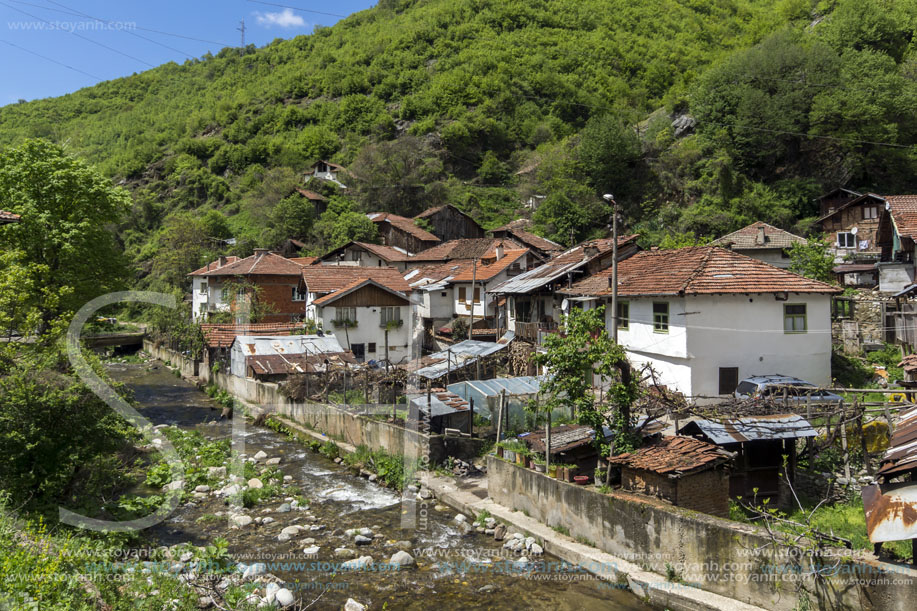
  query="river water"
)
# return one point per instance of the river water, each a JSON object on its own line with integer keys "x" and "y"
{"x": 454, "y": 570}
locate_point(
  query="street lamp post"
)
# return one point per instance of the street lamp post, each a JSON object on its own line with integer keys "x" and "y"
{"x": 608, "y": 197}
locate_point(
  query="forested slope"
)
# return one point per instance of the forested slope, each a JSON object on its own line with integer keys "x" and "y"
{"x": 482, "y": 103}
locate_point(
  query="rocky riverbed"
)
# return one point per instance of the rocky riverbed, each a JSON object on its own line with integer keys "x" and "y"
{"x": 333, "y": 536}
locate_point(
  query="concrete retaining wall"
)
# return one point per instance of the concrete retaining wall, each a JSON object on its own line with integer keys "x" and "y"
{"x": 735, "y": 560}
{"x": 333, "y": 421}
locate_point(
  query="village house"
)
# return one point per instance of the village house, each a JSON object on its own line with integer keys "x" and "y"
{"x": 763, "y": 242}
{"x": 470, "y": 284}
{"x": 401, "y": 232}
{"x": 683, "y": 471}
{"x": 368, "y": 309}
{"x": 325, "y": 170}
{"x": 518, "y": 232}
{"x": 897, "y": 235}
{"x": 8, "y": 217}
{"x": 363, "y": 254}
{"x": 851, "y": 224}
{"x": 274, "y": 281}
{"x": 532, "y": 304}
{"x": 449, "y": 223}
{"x": 218, "y": 337}
{"x": 464, "y": 250}
{"x": 318, "y": 201}
{"x": 433, "y": 295}
{"x": 704, "y": 318}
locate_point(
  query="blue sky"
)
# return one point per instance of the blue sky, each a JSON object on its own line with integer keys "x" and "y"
{"x": 52, "y": 47}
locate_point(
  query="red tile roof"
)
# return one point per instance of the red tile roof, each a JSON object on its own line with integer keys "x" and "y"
{"x": 465, "y": 249}
{"x": 674, "y": 456}
{"x": 747, "y": 238}
{"x": 903, "y": 209}
{"x": 324, "y": 279}
{"x": 519, "y": 230}
{"x": 213, "y": 265}
{"x": 304, "y": 260}
{"x": 8, "y": 217}
{"x": 707, "y": 270}
{"x": 404, "y": 224}
{"x": 311, "y": 195}
{"x": 386, "y": 253}
{"x": 222, "y": 335}
{"x": 261, "y": 264}
{"x": 483, "y": 273}
{"x": 431, "y": 211}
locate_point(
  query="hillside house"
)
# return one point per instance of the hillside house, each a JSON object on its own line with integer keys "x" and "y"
{"x": 517, "y": 231}
{"x": 362, "y": 254}
{"x": 763, "y": 242}
{"x": 433, "y": 295}
{"x": 449, "y": 223}
{"x": 368, "y": 309}
{"x": 325, "y": 170}
{"x": 471, "y": 283}
{"x": 704, "y": 318}
{"x": 318, "y": 201}
{"x": 401, "y": 232}
{"x": 897, "y": 236}
{"x": 532, "y": 304}
{"x": 8, "y": 217}
{"x": 463, "y": 251}
{"x": 278, "y": 282}
{"x": 852, "y": 224}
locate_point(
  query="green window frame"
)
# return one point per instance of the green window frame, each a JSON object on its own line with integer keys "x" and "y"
{"x": 660, "y": 317}
{"x": 623, "y": 315}
{"x": 794, "y": 318}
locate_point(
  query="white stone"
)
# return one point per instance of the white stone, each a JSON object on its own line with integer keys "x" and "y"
{"x": 238, "y": 521}
{"x": 366, "y": 532}
{"x": 261, "y": 455}
{"x": 352, "y": 605}
{"x": 253, "y": 570}
{"x": 460, "y": 518}
{"x": 202, "y": 488}
{"x": 284, "y": 508}
{"x": 361, "y": 540}
{"x": 291, "y": 530}
{"x": 255, "y": 483}
{"x": 216, "y": 472}
{"x": 270, "y": 591}
{"x": 231, "y": 490}
{"x": 536, "y": 550}
{"x": 311, "y": 551}
{"x": 272, "y": 461}
{"x": 358, "y": 564}
{"x": 402, "y": 559}
{"x": 285, "y": 598}
{"x": 529, "y": 542}
{"x": 267, "y": 520}
{"x": 283, "y": 537}
{"x": 343, "y": 552}
{"x": 288, "y": 478}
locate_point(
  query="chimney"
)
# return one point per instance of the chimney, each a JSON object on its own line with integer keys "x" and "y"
{"x": 591, "y": 250}
{"x": 499, "y": 250}
{"x": 760, "y": 239}
{"x": 261, "y": 251}
{"x": 221, "y": 262}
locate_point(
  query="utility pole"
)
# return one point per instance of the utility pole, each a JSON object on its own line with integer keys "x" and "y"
{"x": 608, "y": 197}
{"x": 474, "y": 277}
{"x": 241, "y": 29}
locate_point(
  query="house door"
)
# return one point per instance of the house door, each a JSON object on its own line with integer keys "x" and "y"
{"x": 359, "y": 351}
{"x": 729, "y": 379}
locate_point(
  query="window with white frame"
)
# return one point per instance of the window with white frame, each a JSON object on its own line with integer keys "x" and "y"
{"x": 298, "y": 295}
{"x": 846, "y": 239}
{"x": 870, "y": 212}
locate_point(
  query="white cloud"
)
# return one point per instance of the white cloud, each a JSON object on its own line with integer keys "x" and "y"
{"x": 283, "y": 19}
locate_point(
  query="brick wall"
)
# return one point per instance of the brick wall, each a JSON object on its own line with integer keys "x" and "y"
{"x": 707, "y": 491}
{"x": 278, "y": 292}
{"x": 647, "y": 482}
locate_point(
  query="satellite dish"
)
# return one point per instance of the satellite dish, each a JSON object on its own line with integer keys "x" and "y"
{"x": 853, "y": 231}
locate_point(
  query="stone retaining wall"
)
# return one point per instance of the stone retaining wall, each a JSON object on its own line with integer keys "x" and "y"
{"x": 335, "y": 422}
{"x": 735, "y": 560}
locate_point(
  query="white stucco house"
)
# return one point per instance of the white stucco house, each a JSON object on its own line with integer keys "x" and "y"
{"x": 369, "y": 310}
{"x": 206, "y": 295}
{"x": 705, "y": 318}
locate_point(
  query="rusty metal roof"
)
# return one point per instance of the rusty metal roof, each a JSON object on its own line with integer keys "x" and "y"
{"x": 8, "y": 217}
{"x": 264, "y": 345}
{"x": 901, "y": 455}
{"x": 674, "y": 456}
{"x": 223, "y": 335}
{"x": 750, "y": 428}
{"x": 457, "y": 356}
{"x": 274, "y": 364}
{"x": 441, "y": 403}
{"x": 891, "y": 511}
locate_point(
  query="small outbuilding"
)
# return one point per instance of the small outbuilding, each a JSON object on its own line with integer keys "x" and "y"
{"x": 686, "y": 472}
{"x": 440, "y": 410}
{"x": 270, "y": 357}
{"x": 760, "y": 444}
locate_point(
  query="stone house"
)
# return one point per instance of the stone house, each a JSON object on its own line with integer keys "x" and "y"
{"x": 852, "y": 225}
{"x": 683, "y": 471}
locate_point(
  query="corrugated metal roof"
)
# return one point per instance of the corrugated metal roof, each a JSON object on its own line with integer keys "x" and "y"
{"x": 274, "y": 364}
{"x": 523, "y": 385}
{"x": 263, "y": 345}
{"x": 751, "y": 428}
{"x": 901, "y": 455}
{"x": 440, "y": 403}
{"x": 460, "y": 355}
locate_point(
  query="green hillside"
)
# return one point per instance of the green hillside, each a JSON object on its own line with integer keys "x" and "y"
{"x": 482, "y": 103}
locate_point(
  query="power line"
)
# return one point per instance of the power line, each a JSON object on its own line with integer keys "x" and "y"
{"x": 53, "y": 61}
{"x": 126, "y": 31}
{"x": 172, "y": 34}
{"x": 104, "y": 46}
{"x": 296, "y": 8}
